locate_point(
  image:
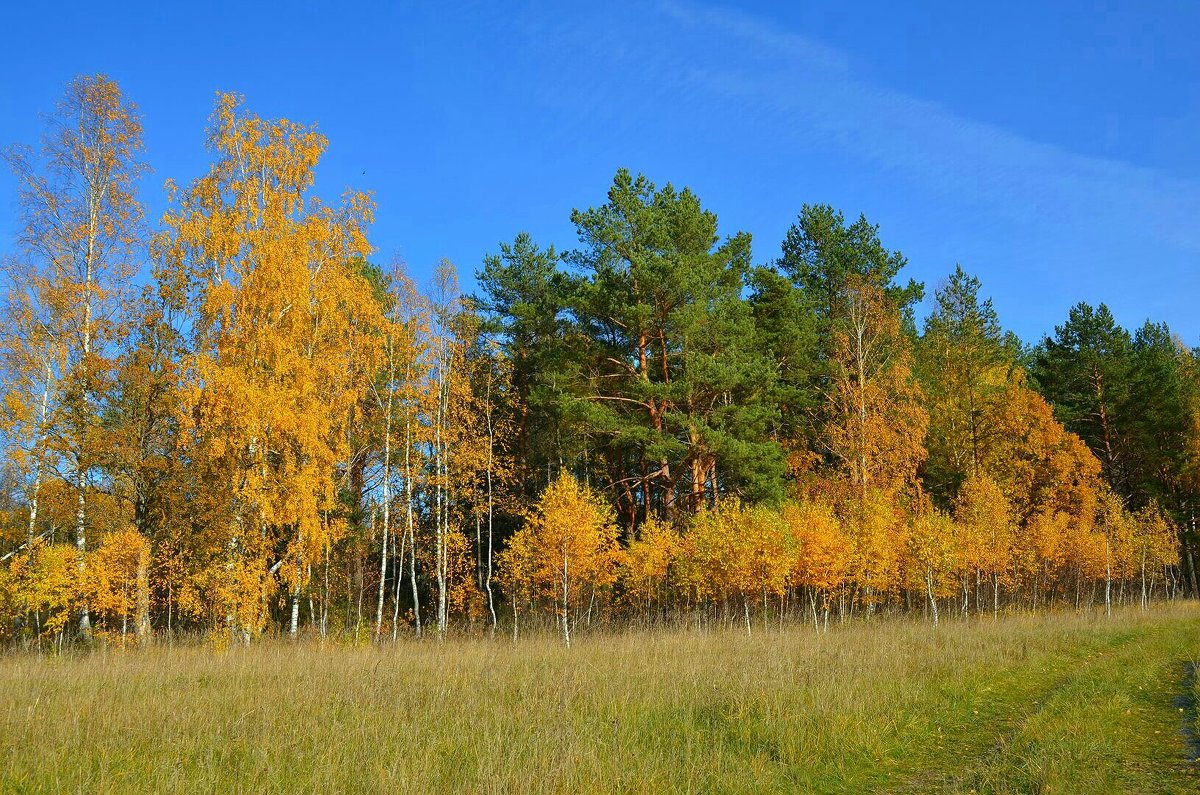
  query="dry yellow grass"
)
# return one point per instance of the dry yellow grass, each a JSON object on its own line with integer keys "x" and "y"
{"x": 1049, "y": 703}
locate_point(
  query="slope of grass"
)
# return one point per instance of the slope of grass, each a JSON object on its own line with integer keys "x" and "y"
{"x": 1028, "y": 704}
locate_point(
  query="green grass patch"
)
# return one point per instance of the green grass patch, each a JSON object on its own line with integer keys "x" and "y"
{"x": 1056, "y": 703}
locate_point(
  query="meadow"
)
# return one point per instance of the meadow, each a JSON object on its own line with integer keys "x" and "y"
{"x": 1038, "y": 703}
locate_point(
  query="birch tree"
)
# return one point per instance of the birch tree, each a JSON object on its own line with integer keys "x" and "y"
{"x": 285, "y": 337}
{"x": 81, "y": 233}
{"x": 876, "y": 426}
{"x": 571, "y": 543}
{"x": 398, "y": 394}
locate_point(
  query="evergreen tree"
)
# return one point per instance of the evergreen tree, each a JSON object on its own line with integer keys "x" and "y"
{"x": 820, "y": 253}
{"x": 522, "y": 301}
{"x": 1161, "y": 432}
{"x": 785, "y": 330}
{"x": 1084, "y": 371}
{"x": 677, "y": 398}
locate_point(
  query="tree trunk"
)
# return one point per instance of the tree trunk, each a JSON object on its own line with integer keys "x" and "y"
{"x": 933, "y": 606}
{"x": 387, "y": 490}
{"x": 1144, "y": 598}
{"x": 85, "y": 619}
{"x": 566, "y": 613}
{"x": 294, "y": 622}
{"x": 408, "y": 500}
{"x": 442, "y": 507}
{"x": 1107, "y": 579}
{"x": 36, "y": 488}
{"x": 143, "y": 596}
{"x": 399, "y": 567}
{"x": 325, "y": 598}
{"x": 487, "y": 580}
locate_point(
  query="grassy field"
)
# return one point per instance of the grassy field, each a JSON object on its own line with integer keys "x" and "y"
{"x": 1059, "y": 703}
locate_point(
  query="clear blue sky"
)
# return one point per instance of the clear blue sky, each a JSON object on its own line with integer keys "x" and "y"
{"x": 1051, "y": 148}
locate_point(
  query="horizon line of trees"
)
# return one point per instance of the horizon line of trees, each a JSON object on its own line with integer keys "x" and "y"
{"x": 275, "y": 433}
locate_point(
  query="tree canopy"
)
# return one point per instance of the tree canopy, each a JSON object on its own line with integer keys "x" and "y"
{"x": 281, "y": 434}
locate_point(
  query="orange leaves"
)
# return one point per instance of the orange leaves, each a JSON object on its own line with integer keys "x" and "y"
{"x": 574, "y": 533}
{"x": 1044, "y": 544}
{"x": 877, "y": 526}
{"x": 709, "y": 567}
{"x": 1156, "y": 542}
{"x": 282, "y": 389}
{"x": 80, "y": 234}
{"x": 287, "y": 336}
{"x": 876, "y": 428}
{"x": 752, "y": 551}
{"x": 462, "y": 597}
{"x": 986, "y": 527}
{"x": 515, "y": 569}
{"x": 647, "y": 564}
{"x": 568, "y": 548}
{"x": 933, "y": 550}
{"x": 825, "y": 553}
{"x": 115, "y": 578}
{"x": 1039, "y": 464}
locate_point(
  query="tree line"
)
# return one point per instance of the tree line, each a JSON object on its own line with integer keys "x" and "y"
{"x": 269, "y": 432}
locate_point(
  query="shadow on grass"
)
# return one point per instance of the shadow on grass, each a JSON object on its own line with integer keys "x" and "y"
{"x": 1185, "y": 702}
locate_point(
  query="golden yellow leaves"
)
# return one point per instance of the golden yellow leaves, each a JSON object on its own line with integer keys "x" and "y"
{"x": 864, "y": 550}
{"x": 568, "y": 548}
{"x": 737, "y": 550}
{"x": 876, "y": 426}
{"x": 825, "y": 552}
{"x": 646, "y": 567}
{"x": 47, "y": 584}
{"x": 985, "y": 530}
{"x": 116, "y": 581}
{"x": 286, "y": 338}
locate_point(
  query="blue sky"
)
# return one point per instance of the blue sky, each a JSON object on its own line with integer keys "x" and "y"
{"x": 1049, "y": 148}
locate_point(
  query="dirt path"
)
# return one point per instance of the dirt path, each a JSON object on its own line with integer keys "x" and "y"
{"x": 937, "y": 780}
{"x": 1025, "y": 725}
{"x": 1014, "y": 723}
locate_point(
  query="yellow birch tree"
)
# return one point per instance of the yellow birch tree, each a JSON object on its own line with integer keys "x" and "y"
{"x": 286, "y": 334}
{"x": 80, "y": 235}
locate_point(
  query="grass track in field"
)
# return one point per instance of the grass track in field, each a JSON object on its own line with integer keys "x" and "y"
{"x": 1059, "y": 703}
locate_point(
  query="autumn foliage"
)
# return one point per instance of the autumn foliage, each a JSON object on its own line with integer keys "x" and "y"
{"x": 276, "y": 434}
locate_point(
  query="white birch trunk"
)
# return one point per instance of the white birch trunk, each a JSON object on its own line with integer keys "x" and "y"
{"x": 442, "y": 467}
{"x": 1144, "y": 598}
{"x": 294, "y": 622}
{"x": 38, "y": 452}
{"x": 933, "y": 606}
{"x": 1107, "y": 579}
{"x": 399, "y": 566}
{"x": 566, "y": 613}
{"x": 95, "y": 192}
{"x": 387, "y": 488}
{"x": 487, "y": 581}
{"x": 408, "y": 499}
{"x": 85, "y": 619}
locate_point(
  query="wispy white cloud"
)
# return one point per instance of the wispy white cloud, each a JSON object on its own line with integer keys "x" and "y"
{"x": 683, "y": 87}
{"x": 811, "y": 88}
